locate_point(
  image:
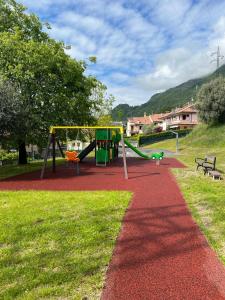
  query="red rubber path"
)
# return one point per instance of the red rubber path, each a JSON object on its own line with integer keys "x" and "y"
{"x": 160, "y": 252}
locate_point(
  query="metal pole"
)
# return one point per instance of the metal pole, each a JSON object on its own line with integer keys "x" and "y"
{"x": 46, "y": 156}
{"x": 177, "y": 142}
{"x": 60, "y": 148}
{"x": 124, "y": 158}
{"x": 53, "y": 152}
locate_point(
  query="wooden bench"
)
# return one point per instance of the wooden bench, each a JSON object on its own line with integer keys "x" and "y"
{"x": 215, "y": 175}
{"x": 208, "y": 163}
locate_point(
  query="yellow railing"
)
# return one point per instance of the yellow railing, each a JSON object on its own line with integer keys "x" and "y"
{"x": 53, "y": 128}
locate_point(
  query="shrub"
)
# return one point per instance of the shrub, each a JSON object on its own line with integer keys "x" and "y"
{"x": 5, "y": 156}
{"x": 158, "y": 129}
{"x": 211, "y": 101}
{"x": 148, "y": 129}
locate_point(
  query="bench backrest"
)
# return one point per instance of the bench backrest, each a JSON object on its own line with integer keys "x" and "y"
{"x": 211, "y": 160}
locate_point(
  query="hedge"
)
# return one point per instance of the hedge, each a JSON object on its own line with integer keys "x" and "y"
{"x": 161, "y": 136}
{"x": 6, "y": 157}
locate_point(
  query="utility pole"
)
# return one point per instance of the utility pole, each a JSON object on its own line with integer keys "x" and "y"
{"x": 218, "y": 57}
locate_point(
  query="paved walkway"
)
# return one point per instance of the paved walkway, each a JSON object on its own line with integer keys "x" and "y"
{"x": 160, "y": 252}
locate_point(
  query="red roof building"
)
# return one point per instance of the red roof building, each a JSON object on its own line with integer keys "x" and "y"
{"x": 135, "y": 124}
{"x": 181, "y": 118}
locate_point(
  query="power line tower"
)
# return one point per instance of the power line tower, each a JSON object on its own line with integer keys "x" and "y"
{"x": 218, "y": 58}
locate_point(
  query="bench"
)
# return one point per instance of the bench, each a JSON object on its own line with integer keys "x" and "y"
{"x": 215, "y": 174}
{"x": 208, "y": 163}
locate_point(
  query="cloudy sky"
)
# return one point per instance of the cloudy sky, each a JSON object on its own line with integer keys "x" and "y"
{"x": 143, "y": 46}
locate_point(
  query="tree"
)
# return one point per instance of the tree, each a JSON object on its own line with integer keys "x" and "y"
{"x": 211, "y": 101}
{"x": 120, "y": 115}
{"x": 103, "y": 101}
{"x": 52, "y": 86}
{"x": 12, "y": 116}
{"x": 13, "y": 17}
{"x": 9, "y": 108}
{"x": 105, "y": 120}
{"x": 148, "y": 129}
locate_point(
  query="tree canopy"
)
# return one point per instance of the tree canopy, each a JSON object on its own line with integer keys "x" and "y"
{"x": 211, "y": 101}
{"x": 52, "y": 86}
{"x": 9, "y": 108}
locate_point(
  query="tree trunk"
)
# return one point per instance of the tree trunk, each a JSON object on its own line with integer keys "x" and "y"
{"x": 22, "y": 153}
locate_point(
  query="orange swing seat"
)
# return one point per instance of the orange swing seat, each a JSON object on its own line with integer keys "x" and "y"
{"x": 72, "y": 156}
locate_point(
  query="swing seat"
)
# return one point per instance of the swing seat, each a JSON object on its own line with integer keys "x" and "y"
{"x": 72, "y": 156}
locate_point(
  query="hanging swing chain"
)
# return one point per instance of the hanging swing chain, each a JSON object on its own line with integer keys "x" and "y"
{"x": 78, "y": 134}
{"x": 67, "y": 139}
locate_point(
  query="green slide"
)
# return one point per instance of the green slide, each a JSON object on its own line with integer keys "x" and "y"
{"x": 136, "y": 150}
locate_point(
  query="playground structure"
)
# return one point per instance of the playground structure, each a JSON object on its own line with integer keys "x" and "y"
{"x": 105, "y": 144}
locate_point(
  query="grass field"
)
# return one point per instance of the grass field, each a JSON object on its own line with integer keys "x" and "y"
{"x": 13, "y": 170}
{"x": 57, "y": 245}
{"x": 205, "y": 197}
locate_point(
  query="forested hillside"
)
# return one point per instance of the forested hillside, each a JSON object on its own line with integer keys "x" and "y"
{"x": 165, "y": 101}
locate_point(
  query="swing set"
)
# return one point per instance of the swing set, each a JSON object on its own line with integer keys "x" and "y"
{"x": 105, "y": 144}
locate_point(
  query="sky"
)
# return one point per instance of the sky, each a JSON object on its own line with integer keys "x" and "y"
{"x": 142, "y": 47}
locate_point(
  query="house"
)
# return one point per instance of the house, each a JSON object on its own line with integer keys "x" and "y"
{"x": 135, "y": 124}
{"x": 185, "y": 117}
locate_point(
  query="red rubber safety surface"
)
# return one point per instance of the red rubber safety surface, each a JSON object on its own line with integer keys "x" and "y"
{"x": 160, "y": 252}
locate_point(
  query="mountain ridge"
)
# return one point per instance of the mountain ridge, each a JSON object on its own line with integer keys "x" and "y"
{"x": 167, "y": 100}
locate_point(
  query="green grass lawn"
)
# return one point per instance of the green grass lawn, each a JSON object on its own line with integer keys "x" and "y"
{"x": 205, "y": 197}
{"x": 57, "y": 245}
{"x": 13, "y": 170}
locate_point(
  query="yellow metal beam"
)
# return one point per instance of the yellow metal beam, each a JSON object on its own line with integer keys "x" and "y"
{"x": 53, "y": 128}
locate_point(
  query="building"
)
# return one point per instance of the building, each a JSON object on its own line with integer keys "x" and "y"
{"x": 185, "y": 117}
{"x": 135, "y": 124}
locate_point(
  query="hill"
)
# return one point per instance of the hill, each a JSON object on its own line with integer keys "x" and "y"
{"x": 165, "y": 101}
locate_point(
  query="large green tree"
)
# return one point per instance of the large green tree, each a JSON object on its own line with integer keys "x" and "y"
{"x": 211, "y": 101}
{"x": 13, "y": 17}
{"x": 52, "y": 86}
{"x": 10, "y": 110}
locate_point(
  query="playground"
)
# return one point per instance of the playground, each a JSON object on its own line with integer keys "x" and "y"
{"x": 160, "y": 253}
{"x": 112, "y": 160}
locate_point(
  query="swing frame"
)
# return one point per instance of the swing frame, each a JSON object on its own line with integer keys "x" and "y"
{"x": 52, "y": 139}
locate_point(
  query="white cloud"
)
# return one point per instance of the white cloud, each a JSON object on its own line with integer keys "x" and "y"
{"x": 175, "y": 67}
{"x": 74, "y": 37}
{"x": 178, "y": 65}
{"x": 129, "y": 94}
{"x": 142, "y": 47}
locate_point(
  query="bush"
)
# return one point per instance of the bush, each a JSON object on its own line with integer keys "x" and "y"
{"x": 158, "y": 129}
{"x": 148, "y": 129}
{"x": 161, "y": 136}
{"x": 211, "y": 102}
{"x": 5, "y": 156}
